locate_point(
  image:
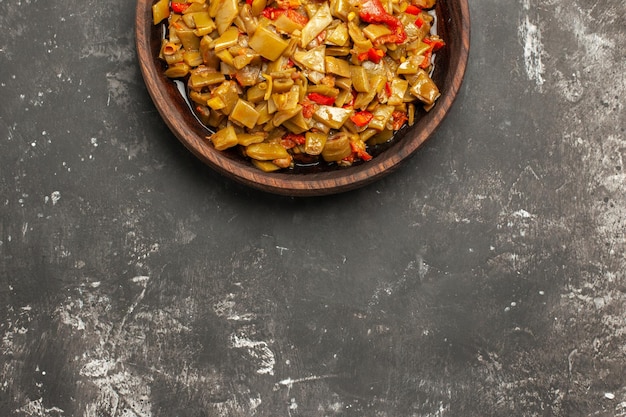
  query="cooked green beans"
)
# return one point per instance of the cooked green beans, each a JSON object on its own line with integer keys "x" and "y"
{"x": 301, "y": 80}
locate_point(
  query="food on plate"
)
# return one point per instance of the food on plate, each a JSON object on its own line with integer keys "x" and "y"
{"x": 297, "y": 82}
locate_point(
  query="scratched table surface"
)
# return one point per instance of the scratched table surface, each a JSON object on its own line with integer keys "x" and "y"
{"x": 486, "y": 277}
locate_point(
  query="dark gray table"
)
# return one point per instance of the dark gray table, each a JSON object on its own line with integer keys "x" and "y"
{"x": 486, "y": 277}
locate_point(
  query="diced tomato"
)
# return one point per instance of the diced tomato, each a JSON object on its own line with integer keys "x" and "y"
{"x": 307, "y": 110}
{"x": 297, "y": 139}
{"x": 399, "y": 118}
{"x": 297, "y": 17}
{"x": 287, "y": 143}
{"x": 419, "y": 22}
{"x": 272, "y": 13}
{"x": 291, "y": 140}
{"x": 358, "y": 149}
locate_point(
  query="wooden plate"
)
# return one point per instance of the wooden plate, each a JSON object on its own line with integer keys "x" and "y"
{"x": 453, "y": 26}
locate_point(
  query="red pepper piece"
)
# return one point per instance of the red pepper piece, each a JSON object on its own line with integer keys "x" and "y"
{"x": 419, "y": 22}
{"x": 372, "y": 11}
{"x": 180, "y": 7}
{"x": 372, "y": 54}
{"x": 321, "y": 99}
{"x": 249, "y": 2}
{"x": 413, "y": 9}
{"x": 375, "y": 55}
{"x": 361, "y": 118}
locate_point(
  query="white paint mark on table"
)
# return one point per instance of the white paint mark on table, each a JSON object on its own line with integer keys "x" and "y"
{"x": 35, "y": 408}
{"x": 69, "y": 319}
{"x": 530, "y": 37}
{"x": 289, "y": 383}
{"x": 140, "y": 279}
{"x": 117, "y": 85}
{"x": 255, "y": 402}
{"x": 227, "y": 309}
{"x": 258, "y": 350}
{"x": 120, "y": 392}
{"x": 143, "y": 281}
{"x": 55, "y": 196}
{"x": 522, "y": 214}
{"x": 293, "y": 405}
{"x": 282, "y": 249}
{"x": 595, "y": 46}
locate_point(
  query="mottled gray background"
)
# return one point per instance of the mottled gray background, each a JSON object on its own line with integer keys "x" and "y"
{"x": 484, "y": 278}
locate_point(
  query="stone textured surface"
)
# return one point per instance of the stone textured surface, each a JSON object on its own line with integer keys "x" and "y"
{"x": 484, "y": 278}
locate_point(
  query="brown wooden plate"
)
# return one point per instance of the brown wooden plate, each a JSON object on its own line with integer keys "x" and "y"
{"x": 453, "y": 25}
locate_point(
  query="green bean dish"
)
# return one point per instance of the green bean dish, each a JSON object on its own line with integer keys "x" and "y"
{"x": 302, "y": 82}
